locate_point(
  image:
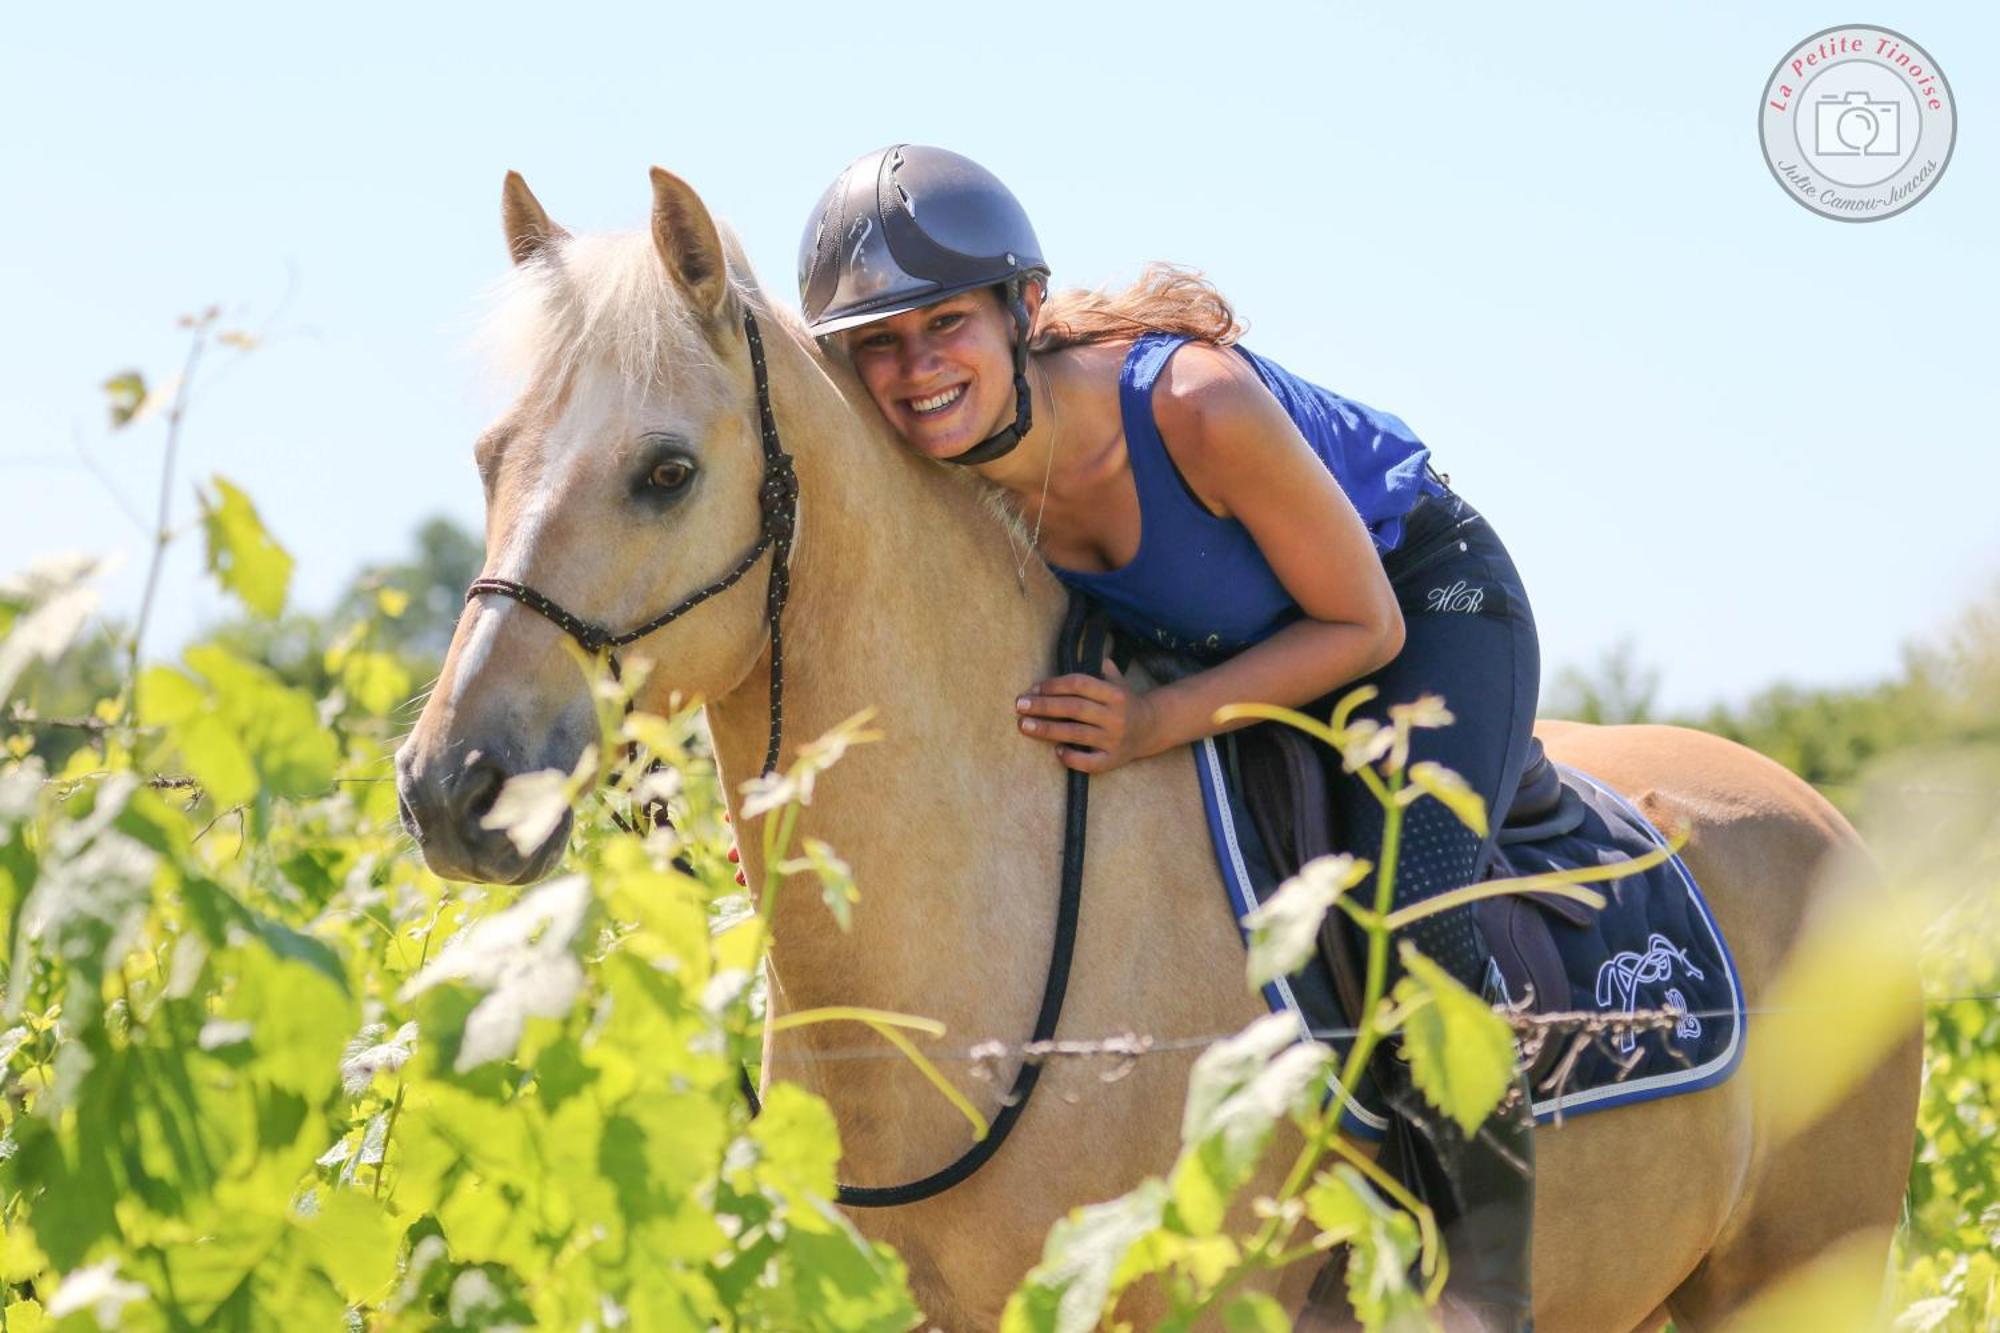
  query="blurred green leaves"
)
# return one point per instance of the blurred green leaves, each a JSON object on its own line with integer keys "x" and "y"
{"x": 522, "y": 962}
{"x": 1284, "y": 929}
{"x": 42, "y": 612}
{"x": 1239, "y": 1090}
{"x": 1428, "y": 779}
{"x": 1068, "y": 1291}
{"x": 1381, "y": 1245}
{"x": 240, "y": 729}
{"x": 124, "y": 395}
{"x": 241, "y": 553}
{"x": 261, "y": 1069}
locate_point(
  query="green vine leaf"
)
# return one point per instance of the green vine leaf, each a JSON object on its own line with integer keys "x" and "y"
{"x": 124, "y": 395}
{"x": 50, "y": 605}
{"x": 524, "y": 961}
{"x": 1256, "y": 1312}
{"x": 242, "y": 554}
{"x": 1382, "y": 1243}
{"x": 1238, "y": 1090}
{"x": 1461, "y": 1053}
{"x": 249, "y": 711}
{"x": 97, "y": 1290}
{"x": 89, "y": 903}
{"x": 1431, "y": 779}
{"x": 1068, "y": 1291}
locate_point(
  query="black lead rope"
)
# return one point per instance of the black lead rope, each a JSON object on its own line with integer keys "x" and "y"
{"x": 1081, "y": 648}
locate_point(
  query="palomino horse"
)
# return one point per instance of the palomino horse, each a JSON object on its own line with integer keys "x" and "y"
{"x": 625, "y": 476}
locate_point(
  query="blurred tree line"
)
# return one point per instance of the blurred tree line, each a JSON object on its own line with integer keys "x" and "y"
{"x": 1945, "y": 697}
{"x": 427, "y": 585}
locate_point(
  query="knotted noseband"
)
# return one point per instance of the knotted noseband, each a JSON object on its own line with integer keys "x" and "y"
{"x": 778, "y": 502}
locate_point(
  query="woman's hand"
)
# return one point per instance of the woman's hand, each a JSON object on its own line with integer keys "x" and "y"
{"x": 1095, "y": 725}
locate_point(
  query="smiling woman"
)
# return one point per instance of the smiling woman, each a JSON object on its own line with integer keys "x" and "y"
{"x": 1214, "y": 504}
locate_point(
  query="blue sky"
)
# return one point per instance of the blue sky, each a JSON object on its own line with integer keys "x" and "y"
{"x": 1755, "y": 442}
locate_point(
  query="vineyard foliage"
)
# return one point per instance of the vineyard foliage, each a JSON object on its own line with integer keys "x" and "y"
{"x": 260, "y": 1068}
{"x": 263, "y": 1066}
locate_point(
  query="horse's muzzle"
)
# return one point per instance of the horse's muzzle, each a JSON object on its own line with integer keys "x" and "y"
{"x": 445, "y": 807}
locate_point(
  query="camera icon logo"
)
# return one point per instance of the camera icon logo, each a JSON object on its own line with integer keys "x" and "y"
{"x": 1857, "y": 122}
{"x": 1855, "y": 125}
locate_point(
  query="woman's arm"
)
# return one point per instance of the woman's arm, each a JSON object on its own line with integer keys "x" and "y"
{"x": 1241, "y": 454}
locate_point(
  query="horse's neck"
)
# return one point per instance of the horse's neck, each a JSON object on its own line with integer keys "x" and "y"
{"x": 906, "y": 599}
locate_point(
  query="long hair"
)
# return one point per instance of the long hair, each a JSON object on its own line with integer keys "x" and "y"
{"x": 1170, "y": 298}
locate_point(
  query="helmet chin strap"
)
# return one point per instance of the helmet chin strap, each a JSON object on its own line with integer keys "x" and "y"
{"x": 1003, "y": 441}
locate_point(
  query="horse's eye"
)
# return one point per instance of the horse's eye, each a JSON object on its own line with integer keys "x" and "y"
{"x": 670, "y": 475}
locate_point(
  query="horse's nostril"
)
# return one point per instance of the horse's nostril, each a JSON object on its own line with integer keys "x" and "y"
{"x": 480, "y": 788}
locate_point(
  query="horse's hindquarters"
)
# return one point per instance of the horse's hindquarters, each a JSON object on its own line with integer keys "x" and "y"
{"x": 1627, "y": 1202}
{"x": 1685, "y": 1200}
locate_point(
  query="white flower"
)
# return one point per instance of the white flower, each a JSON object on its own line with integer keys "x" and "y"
{"x": 523, "y": 958}
{"x": 97, "y": 1289}
{"x": 366, "y": 1055}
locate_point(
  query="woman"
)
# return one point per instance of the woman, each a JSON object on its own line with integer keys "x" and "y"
{"x": 1294, "y": 540}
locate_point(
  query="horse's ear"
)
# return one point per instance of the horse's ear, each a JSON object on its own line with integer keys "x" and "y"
{"x": 689, "y": 245}
{"x": 528, "y": 228}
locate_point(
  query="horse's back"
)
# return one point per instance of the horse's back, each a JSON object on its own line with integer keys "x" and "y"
{"x": 1669, "y": 770}
{"x": 1764, "y": 846}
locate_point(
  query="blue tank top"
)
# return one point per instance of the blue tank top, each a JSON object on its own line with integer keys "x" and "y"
{"x": 1198, "y": 582}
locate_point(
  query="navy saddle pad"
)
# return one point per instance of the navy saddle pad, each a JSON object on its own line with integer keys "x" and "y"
{"x": 1653, "y": 946}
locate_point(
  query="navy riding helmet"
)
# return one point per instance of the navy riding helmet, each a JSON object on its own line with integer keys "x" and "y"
{"x": 906, "y": 226}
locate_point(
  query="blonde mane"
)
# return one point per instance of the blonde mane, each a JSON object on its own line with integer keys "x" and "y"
{"x": 605, "y": 298}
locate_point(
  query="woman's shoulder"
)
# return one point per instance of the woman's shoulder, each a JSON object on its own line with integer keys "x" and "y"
{"x": 1091, "y": 362}
{"x": 1206, "y": 384}
{"x": 1200, "y": 387}
{"x": 1085, "y": 378}
{"x": 1191, "y": 366}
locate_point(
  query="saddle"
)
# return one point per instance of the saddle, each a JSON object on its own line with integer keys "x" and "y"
{"x": 1284, "y": 785}
{"x": 1653, "y": 946}
{"x": 1267, "y": 799}
{"x": 1280, "y": 775}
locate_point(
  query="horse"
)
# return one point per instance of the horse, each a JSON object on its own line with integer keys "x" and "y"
{"x": 626, "y": 475}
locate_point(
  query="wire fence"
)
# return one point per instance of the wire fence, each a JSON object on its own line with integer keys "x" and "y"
{"x": 1125, "y": 1046}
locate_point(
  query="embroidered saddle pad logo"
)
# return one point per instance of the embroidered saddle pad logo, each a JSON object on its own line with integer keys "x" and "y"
{"x": 1622, "y": 976}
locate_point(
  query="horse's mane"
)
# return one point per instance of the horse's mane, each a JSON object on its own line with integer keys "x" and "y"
{"x": 606, "y": 298}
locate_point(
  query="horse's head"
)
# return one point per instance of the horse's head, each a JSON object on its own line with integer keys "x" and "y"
{"x": 623, "y": 478}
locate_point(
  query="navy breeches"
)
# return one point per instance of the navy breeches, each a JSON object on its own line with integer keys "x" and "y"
{"x": 1469, "y": 637}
